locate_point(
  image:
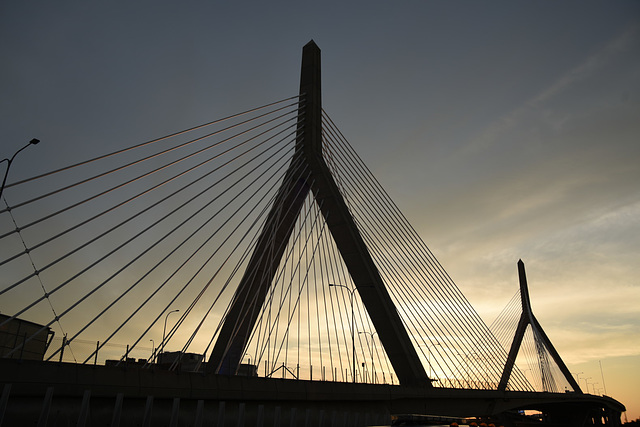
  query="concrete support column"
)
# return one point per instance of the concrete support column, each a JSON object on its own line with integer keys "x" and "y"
{"x": 117, "y": 410}
{"x": 46, "y": 406}
{"x": 175, "y": 410}
{"x": 84, "y": 409}
{"x": 148, "y": 408}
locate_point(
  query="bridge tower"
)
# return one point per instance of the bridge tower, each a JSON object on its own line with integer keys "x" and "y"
{"x": 308, "y": 172}
{"x": 527, "y": 318}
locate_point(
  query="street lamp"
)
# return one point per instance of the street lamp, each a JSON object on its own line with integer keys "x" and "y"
{"x": 165, "y": 327}
{"x": 6, "y": 172}
{"x": 353, "y": 340}
{"x": 429, "y": 356}
{"x": 372, "y": 344}
{"x": 577, "y": 374}
{"x": 602, "y": 375}
{"x": 153, "y": 348}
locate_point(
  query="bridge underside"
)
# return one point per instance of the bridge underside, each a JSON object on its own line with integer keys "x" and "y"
{"x": 68, "y": 392}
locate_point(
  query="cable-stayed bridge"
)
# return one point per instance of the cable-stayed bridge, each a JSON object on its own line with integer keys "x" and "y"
{"x": 250, "y": 269}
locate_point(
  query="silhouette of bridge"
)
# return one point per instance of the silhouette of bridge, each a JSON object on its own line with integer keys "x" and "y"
{"x": 251, "y": 270}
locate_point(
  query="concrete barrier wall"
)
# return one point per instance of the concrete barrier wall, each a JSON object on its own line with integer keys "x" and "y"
{"x": 151, "y": 411}
{"x": 40, "y": 390}
{"x": 70, "y": 394}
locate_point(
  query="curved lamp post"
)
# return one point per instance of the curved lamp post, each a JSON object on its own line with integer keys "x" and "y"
{"x": 164, "y": 331}
{"x": 34, "y": 141}
{"x": 353, "y": 340}
{"x": 371, "y": 334}
{"x": 153, "y": 350}
{"x": 429, "y": 346}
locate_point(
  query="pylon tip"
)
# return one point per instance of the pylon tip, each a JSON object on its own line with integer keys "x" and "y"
{"x": 311, "y": 44}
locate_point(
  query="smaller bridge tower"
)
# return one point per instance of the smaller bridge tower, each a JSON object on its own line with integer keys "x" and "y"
{"x": 527, "y": 318}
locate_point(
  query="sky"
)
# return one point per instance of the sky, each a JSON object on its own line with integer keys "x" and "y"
{"x": 503, "y": 130}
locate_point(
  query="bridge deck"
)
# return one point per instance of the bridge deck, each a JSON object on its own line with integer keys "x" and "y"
{"x": 68, "y": 383}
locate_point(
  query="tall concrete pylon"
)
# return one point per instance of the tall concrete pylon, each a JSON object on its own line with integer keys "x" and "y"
{"x": 254, "y": 286}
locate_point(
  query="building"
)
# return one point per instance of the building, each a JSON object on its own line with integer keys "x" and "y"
{"x": 21, "y": 339}
{"x": 185, "y": 362}
{"x": 247, "y": 370}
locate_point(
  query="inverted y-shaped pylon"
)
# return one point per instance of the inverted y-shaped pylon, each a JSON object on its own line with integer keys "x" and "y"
{"x": 309, "y": 172}
{"x": 527, "y": 318}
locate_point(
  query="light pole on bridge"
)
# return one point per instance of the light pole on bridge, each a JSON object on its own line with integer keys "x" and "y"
{"x": 153, "y": 350}
{"x": 602, "y": 375}
{"x": 164, "y": 331}
{"x": 34, "y": 141}
{"x": 429, "y": 346}
{"x": 577, "y": 374}
{"x": 372, "y": 344}
{"x": 353, "y": 339}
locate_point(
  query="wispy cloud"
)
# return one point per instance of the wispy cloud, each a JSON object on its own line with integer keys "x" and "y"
{"x": 518, "y": 121}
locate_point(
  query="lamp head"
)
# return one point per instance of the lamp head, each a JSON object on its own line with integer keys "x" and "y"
{"x": 34, "y": 141}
